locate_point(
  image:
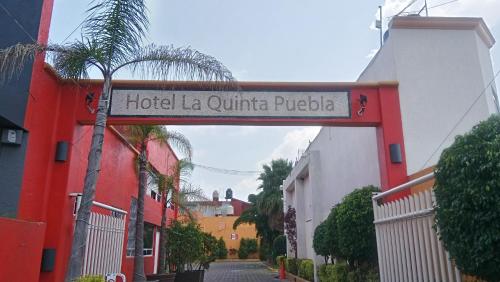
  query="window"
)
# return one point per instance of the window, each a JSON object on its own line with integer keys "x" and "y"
{"x": 148, "y": 238}
{"x": 152, "y": 187}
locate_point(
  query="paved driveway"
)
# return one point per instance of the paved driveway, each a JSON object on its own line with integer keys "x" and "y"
{"x": 239, "y": 271}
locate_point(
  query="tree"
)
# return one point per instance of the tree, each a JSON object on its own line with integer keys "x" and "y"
{"x": 266, "y": 210}
{"x": 167, "y": 184}
{"x": 355, "y": 229}
{"x": 270, "y": 203}
{"x": 140, "y": 136}
{"x": 467, "y": 190}
{"x": 291, "y": 228}
{"x": 320, "y": 241}
{"x": 185, "y": 245}
{"x": 331, "y": 235}
{"x": 221, "y": 249}
{"x": 112, "y": 36}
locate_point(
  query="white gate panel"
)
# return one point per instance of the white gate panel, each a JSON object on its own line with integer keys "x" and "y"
{"x": 408, "y": 246}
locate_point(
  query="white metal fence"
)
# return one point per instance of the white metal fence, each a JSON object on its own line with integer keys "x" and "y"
{"x": 104, "y": 248}
{"x": 407, "y": 244}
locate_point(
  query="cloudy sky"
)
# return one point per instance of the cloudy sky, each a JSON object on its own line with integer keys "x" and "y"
{"x": 263, "y": 40}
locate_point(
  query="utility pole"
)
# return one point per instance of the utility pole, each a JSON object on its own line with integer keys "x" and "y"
{"x": 426, "y": 9}
{"x": 380, "y": 26}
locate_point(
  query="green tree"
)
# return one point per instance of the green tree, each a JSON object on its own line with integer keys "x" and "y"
{"x": 355, "y": 229}
{"x": 185, "y": 245}
{"x": 467, "y": 190}
{"x": 111, "y": 40}
{"x": 320, "y": 241}
{"x": 140, "y": 136}
{"x": 270, "y": 203}
{"x": 178, "y": 175}
{"x": 331, "y": 235}
{"x": 221, "y": 249}
{"x": 266, "y": 210}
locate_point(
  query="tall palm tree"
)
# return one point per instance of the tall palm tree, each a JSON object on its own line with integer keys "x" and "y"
{"x": 111, "y": 40}
{"x": 140, "y": 136}
{"x": 271, "y": 201}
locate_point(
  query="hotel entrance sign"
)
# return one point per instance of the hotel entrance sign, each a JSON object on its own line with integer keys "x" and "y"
{"x": 235, "y": 104}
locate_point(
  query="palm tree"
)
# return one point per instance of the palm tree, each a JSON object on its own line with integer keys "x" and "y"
{"x": 140, "y": 136}
{"x": 112, "y": 37}
{"x": 270, "y": 203}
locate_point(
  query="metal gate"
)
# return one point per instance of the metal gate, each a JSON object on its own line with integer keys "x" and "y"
{"x": 104, "y": 248}
{"x": 408, "y": 247}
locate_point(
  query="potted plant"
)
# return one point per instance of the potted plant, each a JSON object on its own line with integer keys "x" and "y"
{"x": 189, "y": 251}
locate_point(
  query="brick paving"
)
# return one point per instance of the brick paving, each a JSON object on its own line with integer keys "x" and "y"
{"x": 239, "y": 271}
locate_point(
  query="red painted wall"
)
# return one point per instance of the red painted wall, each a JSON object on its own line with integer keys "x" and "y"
{"x": 20, "y": 250}
{"x": 45, "y": 195}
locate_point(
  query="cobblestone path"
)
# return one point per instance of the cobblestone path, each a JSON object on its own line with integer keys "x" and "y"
{"x": 239, "y": 271}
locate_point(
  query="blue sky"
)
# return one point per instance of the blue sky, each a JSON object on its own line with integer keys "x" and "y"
{"x": 262, "y": 40}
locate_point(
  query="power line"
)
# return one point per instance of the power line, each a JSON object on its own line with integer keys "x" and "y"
{"x": 461, "y": 118}
{"x": 17, "y": 22}
{"x": 226, "y": 171}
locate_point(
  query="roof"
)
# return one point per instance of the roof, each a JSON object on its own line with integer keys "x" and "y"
{"x": 449, "y": 23}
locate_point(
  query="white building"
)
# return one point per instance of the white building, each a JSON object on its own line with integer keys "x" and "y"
{"x": 446, "y": 85}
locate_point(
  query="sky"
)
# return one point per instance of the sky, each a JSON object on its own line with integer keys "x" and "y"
{"x": 263, "y": 40}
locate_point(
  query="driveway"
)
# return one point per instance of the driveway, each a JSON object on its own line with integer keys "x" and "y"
{"x": 239, "y": 271}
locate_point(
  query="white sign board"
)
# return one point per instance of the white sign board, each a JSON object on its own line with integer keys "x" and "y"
{"x": 253, "y": 104}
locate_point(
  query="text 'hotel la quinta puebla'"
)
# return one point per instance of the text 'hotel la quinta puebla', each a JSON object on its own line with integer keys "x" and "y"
{"x": 127, "y": 102}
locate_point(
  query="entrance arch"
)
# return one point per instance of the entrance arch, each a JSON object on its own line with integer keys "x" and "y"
{"x": 356, "y": 105}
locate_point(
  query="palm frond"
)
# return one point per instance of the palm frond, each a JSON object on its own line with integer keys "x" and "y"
{"x": 75, "y": 59}
{"x": 169, "y": 63}
{"x": 118, "y": 26}
{"x": 179, "y": 141}
{"x": 14, "y": 58}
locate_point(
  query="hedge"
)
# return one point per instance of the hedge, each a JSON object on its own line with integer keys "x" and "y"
{"x": 333, "y": 272}
{"x": 247, "y": 247}
{"x": 467, "y": 190}
{"x": 291, "y": 266}
{"x": 92, "y": 278}
{"x": 306, "y": 269}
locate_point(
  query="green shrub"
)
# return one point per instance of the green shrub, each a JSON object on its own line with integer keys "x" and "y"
{"x": 221, "y": 249}
{"x": 338, "y": 272}
{"x": 467, "y": 190}
{"x": 279, "y": 245}
{"x": 185, "y": 245}
{"x": 291, "y": 266}
{"x": 306, "y": 269}
{"x": 320, "y": 240}
{"x": 247, "y": 247}
{"x": 362, "y": 275}
{"x": 333, "y": 273}
{"x": 93, "y": 278}
{"x": 355, "y": 228}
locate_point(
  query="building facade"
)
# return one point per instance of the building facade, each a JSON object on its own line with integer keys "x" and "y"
{"x": 446, "y": 85}
{"x": 41, "y": 176}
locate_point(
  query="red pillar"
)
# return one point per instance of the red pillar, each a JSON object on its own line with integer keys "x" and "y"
{"x": 390, "y": 131}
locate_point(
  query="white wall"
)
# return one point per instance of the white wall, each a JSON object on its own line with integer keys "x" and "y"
{"x": 324, "y": 175}
{"x": 441, "y": 73}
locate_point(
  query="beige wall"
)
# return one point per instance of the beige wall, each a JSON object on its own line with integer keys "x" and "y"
{"x": 222, "y": 226}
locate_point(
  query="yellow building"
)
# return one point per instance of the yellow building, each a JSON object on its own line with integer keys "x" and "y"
{"x": 222, "y": 226}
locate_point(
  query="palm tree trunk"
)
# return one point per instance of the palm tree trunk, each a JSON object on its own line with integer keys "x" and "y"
{"x": 93, "y": 168}
{"x": 163, "y": 235}
{"x": 139, "y": 227}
